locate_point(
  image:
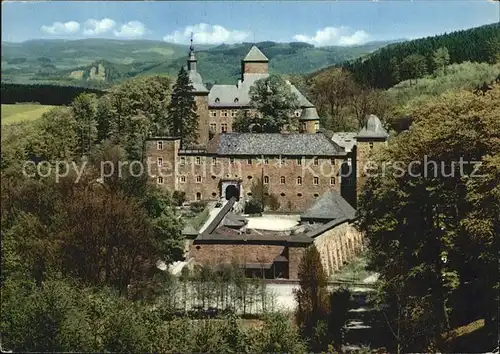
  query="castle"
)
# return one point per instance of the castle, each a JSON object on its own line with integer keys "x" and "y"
{"x": 308, "y": 172}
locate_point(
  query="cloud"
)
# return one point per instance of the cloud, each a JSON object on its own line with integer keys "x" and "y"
{"x": 334, "y": 36}
{"x": 93, "y": 27}
{"x": 207, "y": 34}
{"x": 61, "y": 28}
{"x": 132, "y": 29}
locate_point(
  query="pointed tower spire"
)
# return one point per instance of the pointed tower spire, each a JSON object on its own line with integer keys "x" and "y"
{"x": 192, "y": 59}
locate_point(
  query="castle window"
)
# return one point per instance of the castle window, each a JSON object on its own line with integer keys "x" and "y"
{"x": 223, "y": 127}
{"x": 160, "y": 180}
{"x": 159, "y": 145}
{"x": 198, "y": 196}
{"x": 266, "y": 179}
{"x": 249, "y": 161}
{"x": 316, "y": 126}
{"x": 316, "y": 181}
{"x": 332, "y": 180}
{"x": 297, "y": 113}
{"x": 160, "y": 162}
{"x": 332, "y": 161}
{"x": 236, "y": 100}
{"x": 214, "y": 194}
{"x": 223, "y": 113}
{"x": 282, "y": 194}
{"x": 299, "y": 161}
{"x": 234, "y": 113}
{"x": 182, "y": 179}
{"x": 315, "y": 161}
{"x": 249, "y": 177}
{"x": 282, "y": 161}
{"x": 214, "y": 177}
{"x": 304, "y": 127}
{"x": 316, "y": 195}
{"x": 249, "y": 194}
{"x": 214, "y": 160}
{"x": 197, "y": 160}
{"x": 182, "y": 161}
{"x": 371, "y": 146}
{"x": 282, "y": 179}
{"x": 299, "y": 194}
{"x": 198, "y": 179}
{"x": 213, "y": 113}
{"x": 299, "y": 181}
{"x": 266, "y": 161}
{"x": 213, "y": 127}
{"x": 217, "y": 100}
{"x": 231, "y": 161}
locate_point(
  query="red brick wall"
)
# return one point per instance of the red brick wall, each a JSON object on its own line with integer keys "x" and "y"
{"x": 242, "y": 170}
{"x": 213, "y": 254}
{"x": 255, "y": 68}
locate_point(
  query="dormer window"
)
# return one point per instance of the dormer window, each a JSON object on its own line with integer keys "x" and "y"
{"x": 236, "y": 100}
{"x": 217, "y": 100}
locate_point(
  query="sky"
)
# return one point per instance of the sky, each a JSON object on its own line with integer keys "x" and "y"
{"x": 215, "y": 22}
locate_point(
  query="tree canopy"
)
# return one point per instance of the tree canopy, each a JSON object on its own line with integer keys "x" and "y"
{"x": 275, "y": 103}
{"x": 428, "y": 242}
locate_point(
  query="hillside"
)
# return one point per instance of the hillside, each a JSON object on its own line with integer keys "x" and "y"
{"x": 390, "y": 65}
{"x": 61, "y": 61}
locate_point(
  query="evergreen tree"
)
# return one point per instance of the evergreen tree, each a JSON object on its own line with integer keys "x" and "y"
{"x": 182, "y": 116}
{"x": 312, "y": 298}
{"x": 441, "y": 58}
{"x": 84, "y": 108}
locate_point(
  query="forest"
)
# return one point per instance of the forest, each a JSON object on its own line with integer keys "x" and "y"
{"x": 414, "y": 59}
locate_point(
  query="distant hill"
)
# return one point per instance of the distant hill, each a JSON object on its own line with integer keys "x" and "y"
{"x": 104, "y": 61}
{"x": 383, "y": 68}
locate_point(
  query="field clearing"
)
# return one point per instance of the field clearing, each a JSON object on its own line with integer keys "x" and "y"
{"x": 16, "y": 113}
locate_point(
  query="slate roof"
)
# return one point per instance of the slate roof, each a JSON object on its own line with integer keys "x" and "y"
{"x": 373, "y": 129}
{"x": 347, "y": 140}
{"x": 254, "y": 54}
{"x": 189, "y": 230}
{"x": 330, "y": 206}
{"x": 197, "y": 81}
{"x": 273, "y": 144}
{"x": 309, "y": 113}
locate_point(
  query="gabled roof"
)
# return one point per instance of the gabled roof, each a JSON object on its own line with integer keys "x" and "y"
{"x": 330, "y": 206}
{"x": 373, "y": 129}
{"x": 273, "y": 144}
{"x": 255, "y": 55}
{"x": 239, "y": 95}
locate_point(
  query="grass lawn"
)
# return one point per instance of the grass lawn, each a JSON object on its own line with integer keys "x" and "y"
{"x": 16, "y": 113}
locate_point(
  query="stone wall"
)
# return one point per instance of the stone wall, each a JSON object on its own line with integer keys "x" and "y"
{"x": 338, "y": 246}
{"x": 202, "y": 110}
{"x": 204, "y": 178}
{"x": 255, "y": 67}
{"x": 365, "y": 149}
{"x": 211, "y": 254}
{"x": 166, "y": 150}
{"x": 310, "y": 126}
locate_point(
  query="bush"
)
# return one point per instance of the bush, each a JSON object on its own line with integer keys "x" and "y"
{"x": 253, "y": 206}
{"x": 197, "y": 207}
{"x": 179, "y": 197}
